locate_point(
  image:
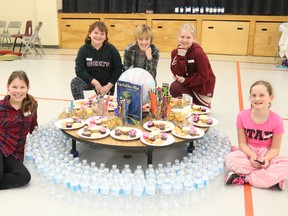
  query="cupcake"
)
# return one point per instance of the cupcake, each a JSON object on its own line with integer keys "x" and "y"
{"x": 117, "y": 132}
{"x": 193, "y": 131}
{"x": 203, "y": 109}
{"x": 162, "y": 125}
{"x": 98, "y": 122}
{"x": 92, "y": 121}
{"x": 103, "y": 131}
{"x": 209, "y": 121}
{"x": 196, "y": 118}
{"x": 164, "y": 136}
{"x": 68, "y": 125}
{"x": 146, "y": 135}
{"x": 132, "y": 133}
{"x": 77, "y": 120}
{"x": 150, "y": 124}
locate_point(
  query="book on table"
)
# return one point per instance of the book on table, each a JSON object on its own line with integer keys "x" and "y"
{"x": 129, "y": 99}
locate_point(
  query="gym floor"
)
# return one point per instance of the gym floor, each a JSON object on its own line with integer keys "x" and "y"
{"x": 50, "y": 83}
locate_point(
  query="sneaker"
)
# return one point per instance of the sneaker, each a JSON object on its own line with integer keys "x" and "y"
{"x": 234, "y": 178}
{"x": 281, "y": 185}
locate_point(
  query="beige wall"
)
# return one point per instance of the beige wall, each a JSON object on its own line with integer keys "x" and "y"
{"x": 36, "y": 10}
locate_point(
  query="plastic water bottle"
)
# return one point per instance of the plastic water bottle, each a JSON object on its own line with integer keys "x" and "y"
{"x": 138, "y": 192}
{"x": 115, "y": 190}
{"x": 178, "y": 192}
{"x": 188, "y": 190}
{"x": 59, "y": 181}
{"x": 165, "y": 195}
{"x": 126, "y": 191}
{"x": 176, "y": 166}
{"x": 150, "y": 194}
{"x": 104, "y": 193}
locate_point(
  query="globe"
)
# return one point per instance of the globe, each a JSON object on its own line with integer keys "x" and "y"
{"x": 142, "y": 77}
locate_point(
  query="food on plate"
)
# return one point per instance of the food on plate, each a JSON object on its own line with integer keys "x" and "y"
{"x": 203, "y": 119}
{"x": 164, "y": 136}
{"x": 162, "y": 125}
{"x": 87, "y": 133}
{"x": 132, "y": 133}
{"x": 209, "y": 121}
{"x": 196, "y": 107}
{"x": 196, "y": 118}
{"x": 68, "y": 125}
{"x": 150, "y": 124}
{"x": 103, "y": 130}
{"x": 146, "y": 135}
{"x": 117, "y": 132}
{"x": 193, "y": 131}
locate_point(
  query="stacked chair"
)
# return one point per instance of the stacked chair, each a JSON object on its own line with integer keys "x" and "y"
{"x": 33, "y": 43}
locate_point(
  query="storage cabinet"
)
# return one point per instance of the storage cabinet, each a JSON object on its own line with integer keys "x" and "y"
{"x": 266, "y": 39}
{"x": 166, "y": 33}
{"x": 74, "y": 31}
{"x": 225, "y": 37}
{"x": 121, "y": 32}
{"x": 217, "y": 34}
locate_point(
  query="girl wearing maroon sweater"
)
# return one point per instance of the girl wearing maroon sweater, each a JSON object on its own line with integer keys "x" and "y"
{"x": 18, "y": 117}
{"x": 191, "y": 69}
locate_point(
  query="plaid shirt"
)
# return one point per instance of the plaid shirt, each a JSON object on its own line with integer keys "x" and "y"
{"x": 130, "y": 58}
{"x": 14, "y": 127}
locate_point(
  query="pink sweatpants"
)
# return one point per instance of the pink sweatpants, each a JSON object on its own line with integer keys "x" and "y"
{"x": 238, "y": 162}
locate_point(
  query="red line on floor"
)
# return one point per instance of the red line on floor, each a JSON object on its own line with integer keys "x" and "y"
{"x": 40, "y": 98}
{"x": 247, "y": 188}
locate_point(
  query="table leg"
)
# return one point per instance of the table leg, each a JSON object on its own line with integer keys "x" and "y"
{"x": 190, "y": 147}
{"x": 149, "y": 154}
{"x": 73, "y": 150}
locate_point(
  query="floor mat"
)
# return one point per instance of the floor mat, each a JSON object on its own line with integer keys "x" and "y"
{"x": 7, "y": 55}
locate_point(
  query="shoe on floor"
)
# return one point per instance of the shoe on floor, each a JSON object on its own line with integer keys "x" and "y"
{"x": 235, "y": 179}
{"x": 281, "y": 185}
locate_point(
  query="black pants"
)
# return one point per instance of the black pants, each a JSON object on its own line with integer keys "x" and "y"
{"x": 13, "y": 173}
{"x": 78, "y": 86}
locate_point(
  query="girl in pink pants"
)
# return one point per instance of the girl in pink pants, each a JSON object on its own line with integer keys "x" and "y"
{"x": 260, "y": 132}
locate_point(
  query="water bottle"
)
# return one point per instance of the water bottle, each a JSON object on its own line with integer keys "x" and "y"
{"x": 104, "y": 193}
{"x": 176, "y": 166}
{"x": 139, "y": 173}
{"x": 150, "y": 194}
{"x": 94, "y": 193}
{"x": 126, "y": 191}
{"x": 59, "y": 181}
{"x": 178, "y": 192}
{"x": 138, "y": 192}
{"x": 84, "y": 188}
{"x": 165, "y": 194}
{"x": 115, "y": 190}
{"x": 188, "y": 190}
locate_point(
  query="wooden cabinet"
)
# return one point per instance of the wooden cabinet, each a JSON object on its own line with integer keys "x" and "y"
{"x": 166, "y": 33}
{"x": 266, "y": 39}
{"x": 74, "y": 31}
{"x": 217, "y": 34}
{"x": 225, "y": 37}
{"x": 121, "y": 32}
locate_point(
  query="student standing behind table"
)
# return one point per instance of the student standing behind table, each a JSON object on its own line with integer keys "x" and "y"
{"x": 98, "y": 64}
{"x": 18, "y": 117}
{"x": 191, "y": 69}
{"x": 260, "y": 131}
{"x": 142, "y": 54}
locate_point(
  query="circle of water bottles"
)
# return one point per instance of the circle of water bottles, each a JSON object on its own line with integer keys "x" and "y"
{"x": 172, "y": 185}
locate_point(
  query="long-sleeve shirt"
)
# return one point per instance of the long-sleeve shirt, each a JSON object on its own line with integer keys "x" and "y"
{"x": 195, "y": 68}
{"x": 14, "y": 127}
{"x": 131, "y": 54}
{"x": 104, "y": 65}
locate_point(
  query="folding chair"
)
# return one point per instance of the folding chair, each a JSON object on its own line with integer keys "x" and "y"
{"x": 2, "y": 29}
{"x": 33, "y": 43}
{"x": 12, "y": 28}
{"x": 28, "y": 32}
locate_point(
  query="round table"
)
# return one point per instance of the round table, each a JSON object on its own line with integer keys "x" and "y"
{"x": 110, "y": 142}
